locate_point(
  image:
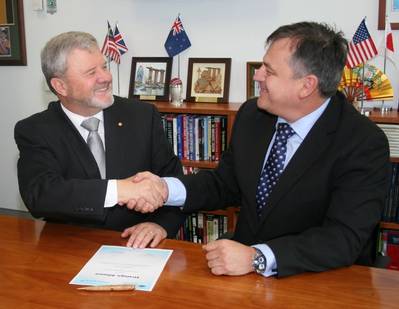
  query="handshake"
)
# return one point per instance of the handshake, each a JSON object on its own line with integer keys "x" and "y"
{"x": 143, "y": 192}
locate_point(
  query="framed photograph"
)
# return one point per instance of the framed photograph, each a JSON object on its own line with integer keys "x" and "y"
{"x": 252, "y": 86}
{"x": 208, "y": 80}
{"x": 388, "y": 8}
{"x": 150, "y": 78}
{"x": 12, "y": 33}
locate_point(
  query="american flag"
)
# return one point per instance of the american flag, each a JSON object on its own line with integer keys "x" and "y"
{"x": 110, "y": 48}
{"x": 177, "y": 40}
{"x": 362, "y": 47}
{"x": 119, "y": 41}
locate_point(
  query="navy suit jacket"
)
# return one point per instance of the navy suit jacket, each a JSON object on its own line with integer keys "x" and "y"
{"x": 58, "y": 175}
{"x": 326, "y": 204}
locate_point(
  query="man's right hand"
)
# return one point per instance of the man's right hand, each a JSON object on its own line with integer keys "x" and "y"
{"x": 144, "y": 192}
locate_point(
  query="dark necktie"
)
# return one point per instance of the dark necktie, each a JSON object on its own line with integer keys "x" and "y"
{"x": 95, "y": 143}
{"x": 274, "y": 166}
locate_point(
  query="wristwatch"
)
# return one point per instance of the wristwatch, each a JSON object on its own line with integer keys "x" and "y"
{"x": 259, "y": 262}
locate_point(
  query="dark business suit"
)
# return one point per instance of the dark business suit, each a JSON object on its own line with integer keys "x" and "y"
{"x": 59, "y": 178}
{"x": 328, "y": 201}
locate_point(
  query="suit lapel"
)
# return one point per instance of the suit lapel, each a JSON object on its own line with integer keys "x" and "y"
{"x": 262, "y": 130}
{"x": 77, "y": 143}
{"x": 115, "y": 124}
{"x": 315, "y": 143}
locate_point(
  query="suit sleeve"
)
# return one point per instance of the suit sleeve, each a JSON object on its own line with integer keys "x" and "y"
{"x": 44, "y": 189}
{"x": 217, "y": 188}
{"x": 165, "y": 163}
{"x": 356, "y": 200}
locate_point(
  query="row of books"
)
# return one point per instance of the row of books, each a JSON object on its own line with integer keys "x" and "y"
{"x": 388, "y": 245}
{"x": 391, "y": 213}
{"x": 203, "y": 227}
{"x": 196, "y": 137}
{"x": 392, "y": 133}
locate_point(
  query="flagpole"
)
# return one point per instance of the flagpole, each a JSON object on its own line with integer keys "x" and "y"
{"x": 118, "y": 80}
{"x": 385, "y": 56}
{"x": 178, "y": 57}
{"x": 178, "y": 66}
{"x": 362, "y": 100}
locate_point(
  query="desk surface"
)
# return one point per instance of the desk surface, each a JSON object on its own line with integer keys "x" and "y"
{"x": 37, "y": 260}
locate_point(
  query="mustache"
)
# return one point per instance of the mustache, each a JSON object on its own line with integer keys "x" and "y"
{"x": 107, "y": 85}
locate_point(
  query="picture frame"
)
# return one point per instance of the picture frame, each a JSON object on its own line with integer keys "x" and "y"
{"x": 208, "y": 80}
{"x": 252, "y": 86}
{"x": 12, "y": 33}
{"x": 150, "y": 78}
{"x": 393, "y": 6}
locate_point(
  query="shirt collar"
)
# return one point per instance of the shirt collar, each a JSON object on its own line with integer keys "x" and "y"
{"x": 77, "y": 119}
{"x": 303, "y": 125}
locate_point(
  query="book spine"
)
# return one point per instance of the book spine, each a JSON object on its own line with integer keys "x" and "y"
{"x": 174, "y": 122}
{"x": 218, "y": 138}
{"x": 393, "y": 249}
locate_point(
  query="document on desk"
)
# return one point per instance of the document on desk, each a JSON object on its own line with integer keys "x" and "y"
{"x": 114, "y": 265}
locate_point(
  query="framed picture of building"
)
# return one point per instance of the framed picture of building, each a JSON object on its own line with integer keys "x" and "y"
{"x": 208, "y": 80}
{"x": 150, "y": 78}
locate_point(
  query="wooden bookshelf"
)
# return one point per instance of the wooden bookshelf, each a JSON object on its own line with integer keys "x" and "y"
{"x": 223, "y": 109}
{"x": 389, "y": 225}
{"x": 228, "y": 110}
{"x": 390, "y": 117}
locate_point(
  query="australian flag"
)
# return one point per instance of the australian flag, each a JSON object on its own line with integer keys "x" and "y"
{"x": 177, "y": 40}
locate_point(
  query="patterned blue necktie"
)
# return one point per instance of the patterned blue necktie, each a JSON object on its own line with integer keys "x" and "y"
{"x": 274, "y": 166}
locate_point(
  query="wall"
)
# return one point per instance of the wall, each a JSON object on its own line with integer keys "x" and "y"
{"x": 217, "y": 28}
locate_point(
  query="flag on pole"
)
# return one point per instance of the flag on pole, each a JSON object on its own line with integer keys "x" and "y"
{"x": 119, "y": 41}
{"x": 110, "y": 49}
{"x": 177, "y": 40}
{"x": 362, "y": 47}
{"x": 389, "y": 37}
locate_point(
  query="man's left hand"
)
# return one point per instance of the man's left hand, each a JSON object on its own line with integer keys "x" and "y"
{"x": 143, "y": 234}
{"x": 228, "y": 257}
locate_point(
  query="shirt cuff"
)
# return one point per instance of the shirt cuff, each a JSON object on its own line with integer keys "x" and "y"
{"x": 111, "y": 197}
{"x": 271, "y": 264}
{"x": 177, "y": 192}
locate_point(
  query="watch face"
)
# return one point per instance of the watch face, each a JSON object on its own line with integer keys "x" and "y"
{"x": 259, "y": 262}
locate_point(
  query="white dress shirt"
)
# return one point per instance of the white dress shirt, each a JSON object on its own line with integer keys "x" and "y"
{"x": 111, "y": 197}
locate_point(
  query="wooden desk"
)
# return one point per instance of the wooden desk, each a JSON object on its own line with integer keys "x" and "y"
{"x": 37, "y": 260}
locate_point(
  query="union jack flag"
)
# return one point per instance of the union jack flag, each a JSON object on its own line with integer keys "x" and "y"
{"x": 110, "y": 48}
{"x": 362, "y": 47}
{"x": 177, "y": 40}
{"x": 177, "y": 26}
{"x": 119, "y": 41}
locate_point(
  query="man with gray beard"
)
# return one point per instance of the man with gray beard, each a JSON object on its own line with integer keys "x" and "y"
{"x": 62, "y": 178}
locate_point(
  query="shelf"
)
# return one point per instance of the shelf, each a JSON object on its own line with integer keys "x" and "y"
{"x": 199, "y": 108}
{"x": 391, "y": 117}
{"x": 389, "y": 225}
{"x": 200, "y": 164}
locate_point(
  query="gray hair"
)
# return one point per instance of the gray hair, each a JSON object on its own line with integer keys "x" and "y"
{"x": 318, "y": 50}
{"x": 55, "y": 52}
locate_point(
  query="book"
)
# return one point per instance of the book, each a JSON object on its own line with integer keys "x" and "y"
{"x": 393, "y": 249}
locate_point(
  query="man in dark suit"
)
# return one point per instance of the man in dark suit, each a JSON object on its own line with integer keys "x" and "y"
{"x": 59, "y": 177}
{"x": 312, "y": 193}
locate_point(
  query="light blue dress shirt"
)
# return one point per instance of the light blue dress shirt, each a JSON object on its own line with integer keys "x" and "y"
{"x": 177, "y": 191}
